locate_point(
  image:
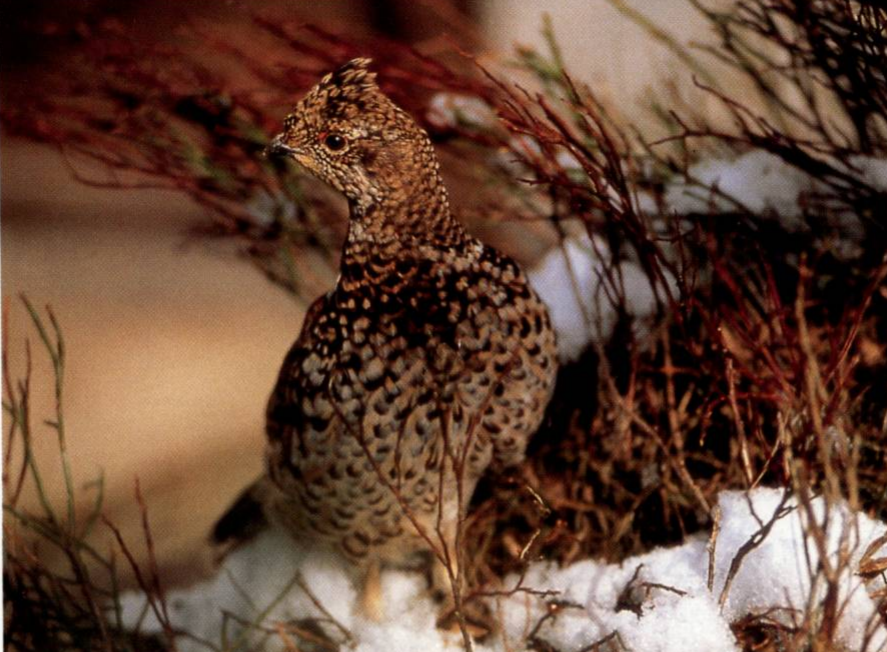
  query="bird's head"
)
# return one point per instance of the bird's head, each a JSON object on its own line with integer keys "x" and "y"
{"x": 347, "y": 133}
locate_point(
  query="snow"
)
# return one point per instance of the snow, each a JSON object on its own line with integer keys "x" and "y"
{"x": 266, "y": 208}
{"x": 792, "y": 558}
{"x": 871, "y": 170}
{"x": 266, "y": 578}
{"x": 679, "y": 612}
{"x": 764, "y": 184}
{"x": 658, "y": 601}
{"x": 454, "y": 110}
{"x": 757, "y": 180}
{"x": 572, "y": 281}
{"x": 661, "y": 620}
{"x": 252, "y": 580}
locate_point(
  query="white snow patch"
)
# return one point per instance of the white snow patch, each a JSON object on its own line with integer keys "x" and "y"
{"x": 266, "y": 208}
{"x": 872, "y": 170}
{"x": 779, "y": 571}
{"x": 568, "y": 161}
{"x": 454, "y": 109}
{"x": 644, "y": 203}
{"x": 671, "y": 606}
{"x": 523, "y": 152}
{"x": 684, "y": 618}
{"x": 257, "y": 579}
{"x": 666, "y": 607}
{"x": 758, "y": 180}
{"x": 572, "y": 281}
{"x": 768, "y": 186}
{"x": 519, "y": 149}
{"x": 257, "y": 584}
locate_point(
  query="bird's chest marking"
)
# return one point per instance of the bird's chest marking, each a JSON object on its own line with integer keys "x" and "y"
{"x": 375, "y": 327}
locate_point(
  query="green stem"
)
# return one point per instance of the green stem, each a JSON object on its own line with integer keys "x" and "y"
{"x": 56, "y": 352}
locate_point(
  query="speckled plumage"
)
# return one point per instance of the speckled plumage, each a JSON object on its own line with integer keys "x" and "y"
{"x": 431, "y": 348}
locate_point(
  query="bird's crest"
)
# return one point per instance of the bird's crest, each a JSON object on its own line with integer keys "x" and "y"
{"x": 352, "y": 80}
{"x": 341, "y": 94}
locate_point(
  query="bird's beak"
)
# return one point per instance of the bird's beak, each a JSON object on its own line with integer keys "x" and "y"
{"x": 277, "y": 148}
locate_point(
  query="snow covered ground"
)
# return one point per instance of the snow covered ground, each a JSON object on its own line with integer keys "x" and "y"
{"x": 672, "y": 607}
{"x": 659, "y": 601}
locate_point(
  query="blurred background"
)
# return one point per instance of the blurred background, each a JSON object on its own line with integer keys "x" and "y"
{"x": 173, "y": 342}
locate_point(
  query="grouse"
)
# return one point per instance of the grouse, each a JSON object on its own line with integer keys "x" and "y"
{"x": 430, "y": 361}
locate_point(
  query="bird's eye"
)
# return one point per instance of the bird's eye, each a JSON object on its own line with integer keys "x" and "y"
{"x": 334, "y": 142}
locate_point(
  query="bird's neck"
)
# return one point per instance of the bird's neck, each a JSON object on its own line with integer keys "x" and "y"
{"x": 411, "y": 220}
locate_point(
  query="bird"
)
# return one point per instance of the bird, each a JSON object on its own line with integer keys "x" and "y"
{"x": 430, "y": 362}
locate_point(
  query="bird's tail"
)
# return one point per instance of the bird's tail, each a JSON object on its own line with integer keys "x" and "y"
{"x": 244, "y": 519}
